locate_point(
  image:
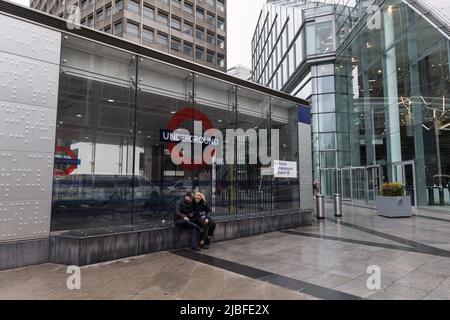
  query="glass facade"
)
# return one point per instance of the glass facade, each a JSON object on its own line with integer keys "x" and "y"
{"x": 377, "y": 75}
{"x": 393, "y": 88}
{"x": 114, "y": 165}
{"x": 294, "y": 50}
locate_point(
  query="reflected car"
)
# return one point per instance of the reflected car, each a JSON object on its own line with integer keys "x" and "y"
{"x": 103, "y": 190}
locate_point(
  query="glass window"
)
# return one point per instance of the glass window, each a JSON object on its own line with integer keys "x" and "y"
{"x": 211, "y": 37}
{"x": 99, "y": 15}
{"x": 220, "y": 60}
{"x": 176, "y": 3}
{"x": 220, "y": 23}
{"x": 118, "y": 29}
{"x": 188, "y": 7}
{"x": 133, "y": 29}
{"x": 107, "y": 29}
{"x": 211, "y": 2}
{"x": 163, "y": 39}
{"x": 176, "y": 44}
{"x": 200, "y": 13}
{"x": 161, "y": 182}
{"x": 327, "y": 122}
{"x": 133, "y": 6}
{"x": 108, "y": 10}
{"x": 188, "y": 28}
{"x": 105, "y": 128}
{"x": 210, "y": 56}
{"x": 188, "y": 48}
{"x": 90, "y": 20}
{"x": 118, "y": 5}
{"x": 319, "y": 38}
{"x": 199, "y": 53}
{"x": 96, "y": 192}
{"x": 322, "y": 70}
{"x": 148, "y": 35}
{"x": 326, "y": 102}
{"x": 328, "y": 159}
{"x": 175, "y": 23}
{"x": 327, "y": 141}
{"x": 211, "y": 18}
{"x": 149, "y": 12}
{"x": 200, "y": 33}
{"x": 323, "y": 85}
{"x": 163, "y": 17}
{"x": 84, "y": 5}
{"x": 221, "y": 5}
{"x": 221, "y": 42}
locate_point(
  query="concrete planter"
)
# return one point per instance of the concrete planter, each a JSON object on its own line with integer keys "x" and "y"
{"x": 394, "y": 207}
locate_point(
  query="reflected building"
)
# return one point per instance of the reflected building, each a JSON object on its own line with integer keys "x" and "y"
{"x": 385, "y": 115}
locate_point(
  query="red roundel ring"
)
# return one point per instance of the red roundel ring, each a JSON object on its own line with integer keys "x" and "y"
{"x": 67, "y": 151}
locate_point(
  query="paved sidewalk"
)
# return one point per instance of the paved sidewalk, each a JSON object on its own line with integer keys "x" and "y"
{"x": 326, "y": 261}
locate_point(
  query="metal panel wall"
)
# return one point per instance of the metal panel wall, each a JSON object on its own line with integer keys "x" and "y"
{"x": 29, "y": 78}
{"x": 305, "y": 158}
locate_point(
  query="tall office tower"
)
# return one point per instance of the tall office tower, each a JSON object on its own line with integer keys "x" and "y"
{"x": 294, "y": 50}
{"x": 193, "y": 30}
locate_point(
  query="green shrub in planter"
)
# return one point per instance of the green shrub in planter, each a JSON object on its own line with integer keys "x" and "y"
{"x": 392, "y": 203}
{"x": 393, "y": 190}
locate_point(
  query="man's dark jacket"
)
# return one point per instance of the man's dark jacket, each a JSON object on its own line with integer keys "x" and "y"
{"x": 182, "y": 209}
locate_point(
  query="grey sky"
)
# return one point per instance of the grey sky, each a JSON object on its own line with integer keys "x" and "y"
{"x": 242, "y": 18}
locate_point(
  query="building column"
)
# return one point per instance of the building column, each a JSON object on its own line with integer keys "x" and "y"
{"x": 369, "y": 134}
{"x": 417, "y": 107}
{"x": 353, "y": 90}
{"x": 305, "y": 158}
{"x": 392, "y": 115}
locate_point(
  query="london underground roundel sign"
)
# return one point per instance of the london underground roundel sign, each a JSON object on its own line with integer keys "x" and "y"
{"x": 67, "y": 161}
{"x": 190, "y": 114}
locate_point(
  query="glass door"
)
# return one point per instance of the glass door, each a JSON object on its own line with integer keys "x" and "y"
{"x": 359, "y": 184}
{"x": 404, "y": 172}
{"x": 373, "y": 183}
{"x": 346, "y": 184}
{"x": 328, "y": 179}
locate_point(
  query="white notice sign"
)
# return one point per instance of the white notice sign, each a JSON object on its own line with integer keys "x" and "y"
{"x": 285, "y": 169}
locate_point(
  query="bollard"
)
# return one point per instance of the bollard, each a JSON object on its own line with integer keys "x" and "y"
{"x": 337, "y": 205}
{"x": 320, "y": 206}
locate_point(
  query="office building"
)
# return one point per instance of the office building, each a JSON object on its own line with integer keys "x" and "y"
{"x": 193, "y": 30}
{"x": 377, "y": 76}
